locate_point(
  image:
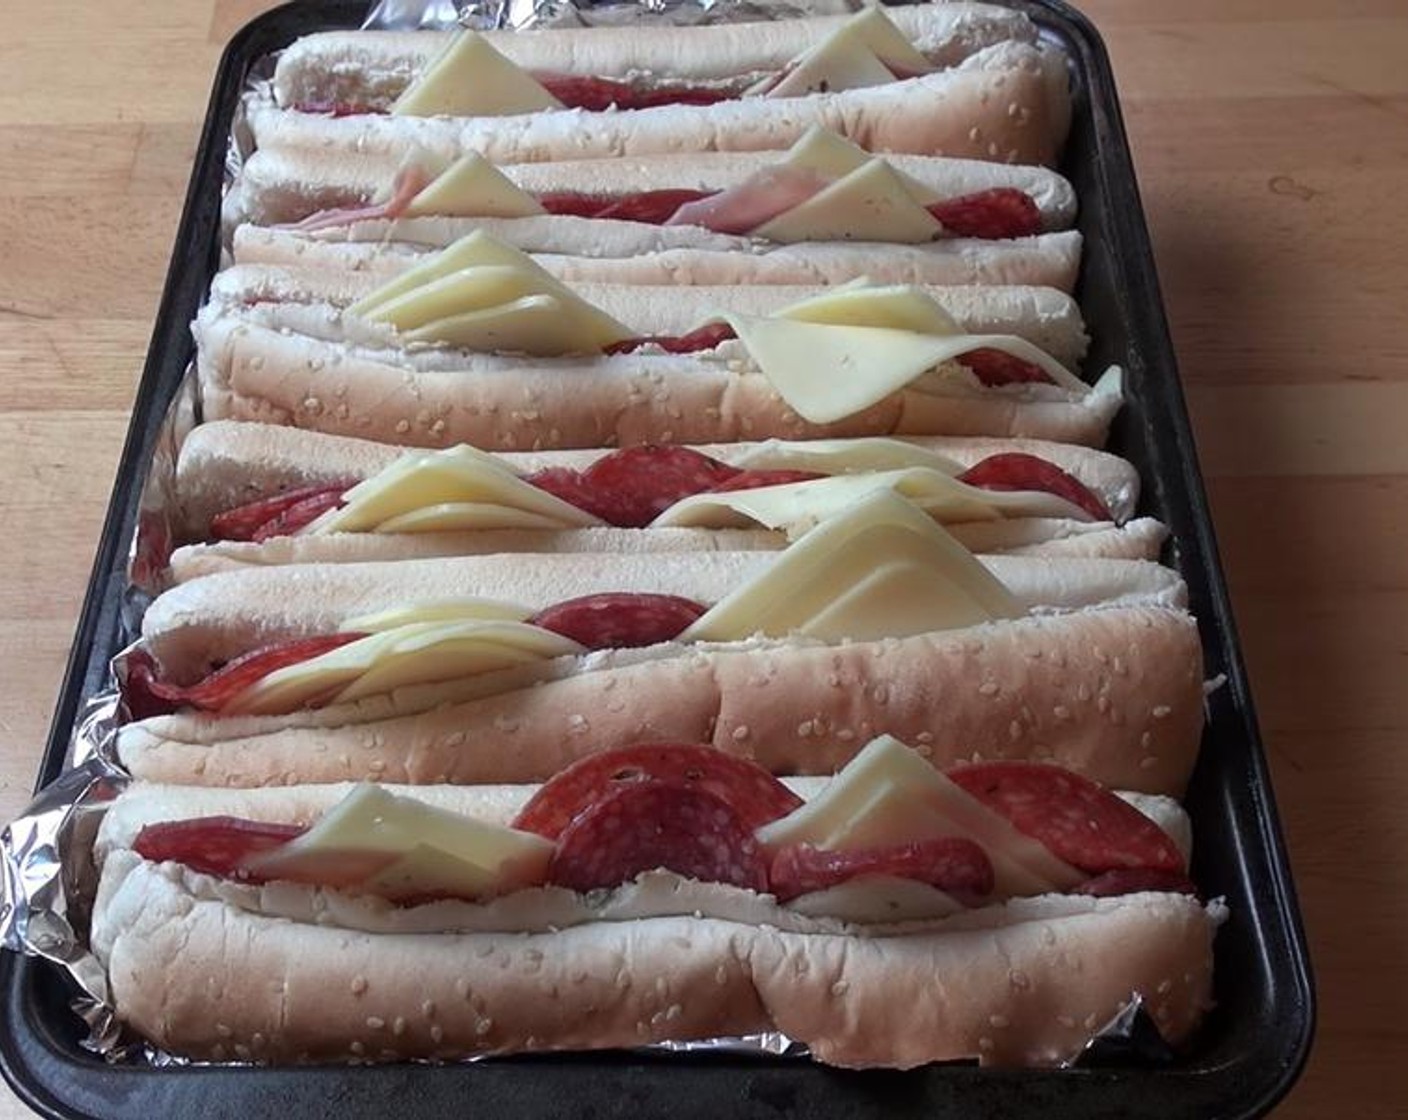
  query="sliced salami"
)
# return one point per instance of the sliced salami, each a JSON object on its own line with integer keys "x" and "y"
{"x": 619, "y": 619}
{"x": 952, "y": 864}
{"x": 754, "y": 795}
{"x": 992, "y": 214}
{"x": 657, "y": 825}
{"x": 1016, "y": 470}
{"x": 144, "y": 688}
{"x": 598, "y": 95}
{"x": 214, "y": 845}
{"x": 1082, "y": 823}
{"x": 631, "y": 487}
{"x": 756, "y": 479}
{"x": 997, "y": 367}
{"x": 247, "y": 522}
{"x": 1135, "y": 881}
{"x": 702, "y": 338}
{"x": 651, "y": 207}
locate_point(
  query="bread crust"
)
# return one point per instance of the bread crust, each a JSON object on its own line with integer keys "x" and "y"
{"x": 1008, "y": 102}
{"x": 1113, "y": 693}
{"x": 1022, "y": 984}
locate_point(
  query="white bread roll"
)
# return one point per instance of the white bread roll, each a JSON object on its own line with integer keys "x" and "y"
{"x": 198, "y": 972}
{"x": 610, "y": 252}
{"x": 1008, "y": 103}
{"x": 373, "y": 67}
{"x": 1115, "y": 693}
{"x": 289, "y": 184}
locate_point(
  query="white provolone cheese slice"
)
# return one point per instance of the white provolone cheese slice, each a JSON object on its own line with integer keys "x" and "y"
{"x": 835, "y": 157}
{"x": 865, "y": 51}
{"x": 469, "y": 78}
{"x": 418, "y": 653}
{"x": 879, "y": 569}
{"x": 472, "y": 187}
{"x": 888, "y": 795}
{"x": 797, "y": 506}
{"x": 483, "y": 295}
{"x": 871, "y": 203}
{"x": 410, "y": 495}
{"x": 843, "y": 456}
{"x": 432, "y": 851}
{"x": 900, "y": 307}
{"x": 467, "y": 609}
{"x": 826, "y": 373}
{"x": 869, "y": 899}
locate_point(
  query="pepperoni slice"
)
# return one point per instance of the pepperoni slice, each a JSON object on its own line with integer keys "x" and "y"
{"x": 1135, "y": 881}
{"x": 756, "y": 479}
{"x": 1014, "y": 470}
{"x": 300, "y": 514}
{"x": 248, "y": 521}
{"x": 997, "y": 367}
{"x": 218, "y": 688}
{"x": 648, "y": 825}
{"x": 1082, "y": 823}
{"x": 215, "y": 845}
{"x": 651, "y": 207}
{"x": 598, "y": 94}
{"x": 633, "y": 486}
{"x": 953, "y": 864}
{"x": 754, "y": 795}
{"x": 702, "y": 338}
{"x": 619, "y": 619}
{"x": 996, "y": 213}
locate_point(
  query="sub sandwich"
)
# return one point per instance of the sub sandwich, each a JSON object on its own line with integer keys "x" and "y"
{"x": 509, "y": 98}
{"x": 824, "y": 212}
{"x": 474, "y": 669}
{"x": 256, "y": 494}
{"x": 890, "y": 916}
{"x": 480, "y": 345}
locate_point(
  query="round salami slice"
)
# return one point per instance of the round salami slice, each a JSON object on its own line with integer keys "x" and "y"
{"x": 619, "y": 619}
{"x": 1135, "y": 881}
{"x": 1081, "y": 822}
{"x": 952, "y": 864}
{"x": 754, "y": 795}
{"x": 629, "y": 488}
{"x": 215, "y": 845}
{"x": 657, "y": 825}
{"x": 996, "y": 213}
{"x": 1015, "y": 470}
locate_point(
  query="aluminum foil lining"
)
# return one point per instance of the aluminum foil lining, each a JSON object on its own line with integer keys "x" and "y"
{"x": 47, "y": 877}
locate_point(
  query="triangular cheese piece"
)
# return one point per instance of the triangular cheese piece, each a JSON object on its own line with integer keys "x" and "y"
{"x": 843, "y": 456}
{"x": 483, "y": 295}
{"x": 472, "y": 79}
{"x": 867, "y": 50}
{"x": 879, "y": 569}
{"x": 871, "y": 203}
{"x": 834, "y": 156}
{"x": 389, "y": 501}
{"x": 472, "y": 187}
{"x": 888, "y": 795}
{"x": 901, "y": 307}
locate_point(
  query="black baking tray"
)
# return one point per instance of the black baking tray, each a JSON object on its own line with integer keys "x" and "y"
{"x": 1252, "y": 1046}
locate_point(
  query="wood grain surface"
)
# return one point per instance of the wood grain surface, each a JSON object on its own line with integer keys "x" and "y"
{"x": 1272, "y": 149}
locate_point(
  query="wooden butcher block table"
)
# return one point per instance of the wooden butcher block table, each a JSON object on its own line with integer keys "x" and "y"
{"x": 1271, "y": 141}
